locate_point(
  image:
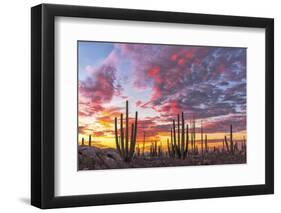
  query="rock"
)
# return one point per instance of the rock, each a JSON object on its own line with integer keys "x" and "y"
{"x": 96, "y": 158}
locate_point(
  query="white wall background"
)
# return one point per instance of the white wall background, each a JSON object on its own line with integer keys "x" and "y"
{"x": 15, "y": 105}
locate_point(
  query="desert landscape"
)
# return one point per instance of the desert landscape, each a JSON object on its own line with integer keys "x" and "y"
{"x": 160, "y": 105}
{"x": 182, "y": 148}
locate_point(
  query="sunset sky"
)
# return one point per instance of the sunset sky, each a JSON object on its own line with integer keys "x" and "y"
{"x": 160, "y": 81}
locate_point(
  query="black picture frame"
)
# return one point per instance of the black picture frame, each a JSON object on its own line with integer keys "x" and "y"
{"x": 43, "y": 102}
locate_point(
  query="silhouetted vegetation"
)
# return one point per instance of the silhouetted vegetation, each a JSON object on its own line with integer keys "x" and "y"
{"x": 182, "y": 147}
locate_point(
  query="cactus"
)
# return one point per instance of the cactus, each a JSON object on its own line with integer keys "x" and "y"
{"x": 116, "y": 137}
{"x": 127, "y": 149}
{"x": 83, "y": 142}
{"x": 244, "y": 145}
{"x": 202, "y": 138}
{"x": 143, "y": 145}
{"x": 182, "y": 136}
{"x": 138, "y": 150}
{"x": 130, "y": 149}
{"x": 231, "y": 141}
{"x": 173, "y": 145}
{"x": 179, "y": 143}
{"x": 191, "y": 136}
{"x": 134, "y": 138}
{"x": 169, "y": 149}
{"x": 122, "y": 134}
{"x": 171, "y": 154}
{"x": 226, "y": 144}
{"x": 206, "y": 143}
{"x": 187, "y": 141}
{"x": 90, "y": 140}
{"x": 236, "y": 147}
{"x": 194, "y": 136}
{"x": 155, "y": 150}
{"x": 127, "y": 129}
{"x": 175, "y": 138}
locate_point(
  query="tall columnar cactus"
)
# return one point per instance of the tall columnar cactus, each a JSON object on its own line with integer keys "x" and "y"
{"x": 244, "y": 145}
{"x": 90, "y": 140}
{"x": 157, "y": 150}
{"x": 143, "y": 145}
{"x": 154, "y": 149}
{"x": 202, "y": 137}
{"x": 117, "y": 141}
{"x": 226, "y": 144}
{"x": 160, "y": 150}
{"x": 138, "y": 150}
{"x": 174, "y": 140}
{"x": 127, "y": 129}
{"x": 186, "y": 141}
{"x": 178, "y": 133}
{"x": 236, "y": 147}
{"x": 231, "y": 141}
{"x": 245, "y": 148}
{"x": 173, "y": 146}
{"x": 178, "y": 141}
{"x": 126, "y": 148}
{"x": 134, "y": 138}
{"x": 122, "y": 135}
{"x": 182, "y": 137}
{"x": 194, "y": 137}
{"x": 206, "y": 143}
{"x": 175, "y": 137}
{"x": 83, "y": 142}
{"x": 169, "y": 149}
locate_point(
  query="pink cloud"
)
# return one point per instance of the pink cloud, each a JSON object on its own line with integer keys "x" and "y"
{"x": 99, "y": 87}
{"x": 138, "y": 103}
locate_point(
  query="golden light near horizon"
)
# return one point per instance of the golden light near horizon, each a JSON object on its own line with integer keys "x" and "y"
{"x": 214, "y": 139}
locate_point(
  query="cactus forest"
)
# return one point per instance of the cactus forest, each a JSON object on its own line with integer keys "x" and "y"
{"x": 160, "y": 105}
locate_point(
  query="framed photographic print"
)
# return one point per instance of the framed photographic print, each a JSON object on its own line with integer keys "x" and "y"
{"x": 139, "y": 106}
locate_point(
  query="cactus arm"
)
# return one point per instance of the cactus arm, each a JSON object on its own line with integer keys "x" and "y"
{"x": 182, "y": 135}
{"x": 127, "y": 131}
{"x": 122, "y": 136}
{"x": 178, "y": 145}
{"x": 133, "y": 143}
{"x": 226, "y": 143}
{"x": 187, "y": 138}
{"x": 174, "y": 134}
{"x": 116, "y": 136}
{"x": 136, "y": 127}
